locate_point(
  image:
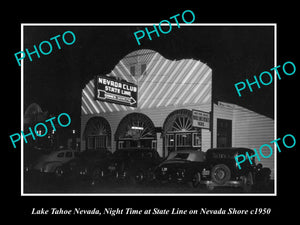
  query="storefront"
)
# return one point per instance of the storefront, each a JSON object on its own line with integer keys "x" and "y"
{"x": 135, "y": 130}
{"x": 147, "y": 101}
{"x": 179, "y": 133}
{"x": 97, "y": 133}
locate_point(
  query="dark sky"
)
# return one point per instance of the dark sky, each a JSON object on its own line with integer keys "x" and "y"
{"x": 234, "y": 53}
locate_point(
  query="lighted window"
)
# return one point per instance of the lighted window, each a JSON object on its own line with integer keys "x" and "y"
{"x": 197, "y": 139}
{"x": 184, "y": 140}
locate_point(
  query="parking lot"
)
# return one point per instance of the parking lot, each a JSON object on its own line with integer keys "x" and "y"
{"x": 36, "y": 183}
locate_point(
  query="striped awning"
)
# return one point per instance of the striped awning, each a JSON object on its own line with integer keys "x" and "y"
{"x": 161, "y": 82}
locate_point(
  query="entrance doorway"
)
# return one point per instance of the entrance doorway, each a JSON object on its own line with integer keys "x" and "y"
{"x": 136, "y": 130}
{"x": 97, "y": 134}
{"x": 179, "y": 133}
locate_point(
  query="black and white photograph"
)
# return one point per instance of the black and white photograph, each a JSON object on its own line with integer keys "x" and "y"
{"x": 161, "y": 118}
{"x": 140, "y": 113}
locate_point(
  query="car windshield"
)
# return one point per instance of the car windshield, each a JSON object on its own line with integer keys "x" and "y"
{"x": 189, "y": 156}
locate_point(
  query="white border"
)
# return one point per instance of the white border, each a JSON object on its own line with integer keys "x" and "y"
{"x": 149, "y": 194}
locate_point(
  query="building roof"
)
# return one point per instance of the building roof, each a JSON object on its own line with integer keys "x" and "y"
{"x": 161, "y": 83}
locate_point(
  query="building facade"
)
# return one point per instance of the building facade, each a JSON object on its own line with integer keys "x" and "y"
{"x": 168, "y": 93}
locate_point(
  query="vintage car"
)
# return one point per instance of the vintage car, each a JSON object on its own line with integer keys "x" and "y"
{"x": 51, "y": 163}
{"x": 134, "y": 165}
{"x": 90, "y": 165}
{"x": 222, "y": 169}
{"x": 31, "y": 157}
{"x": 184, "y": 166}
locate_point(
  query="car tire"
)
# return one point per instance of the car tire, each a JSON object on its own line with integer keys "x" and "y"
{"x": 196, "y": 179}
{"x": 247, "y": 182}
{"x": 220, "y": 174}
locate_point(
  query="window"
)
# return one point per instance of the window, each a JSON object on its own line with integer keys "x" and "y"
{"x": 153, "y": 144}
{"x": 184, "y": 140}
{"x": 120, "y": 144}
{"x": 170, "y": 140}
{"x": 132, "y": 70}
{"x": 68, "y": 154}
{"x": 196, "y": 139}
{"x": 181, "y": 156}
{"x": 143, "y": 68}
{"x": 224, "y": 133}
{"x": 100, "y": 141}
{"x": 60, "y": 155}
{"x": 90, "y": 143}
{"x": 96, "y": 142}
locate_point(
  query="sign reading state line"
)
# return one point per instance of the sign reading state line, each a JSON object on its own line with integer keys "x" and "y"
{"x": 110, "y": 89}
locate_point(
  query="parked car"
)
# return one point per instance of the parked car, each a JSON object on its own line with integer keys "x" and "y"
{"x": 52, "y": 162}
{"x": 31, "y": 156}
{"x": 91, "y": 165}
{"x": 134, "y": 165}
{"x": 223, "y": 169}
{"x": 185, "y": 166}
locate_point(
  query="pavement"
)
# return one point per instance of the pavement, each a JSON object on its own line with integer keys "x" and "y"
{"x": 48, "y": 184}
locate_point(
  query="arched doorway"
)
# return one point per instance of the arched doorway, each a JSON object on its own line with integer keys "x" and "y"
{"x": 179, "y": 133}
{"x": 97, "y": 134}
{"x": 136, "y": 130}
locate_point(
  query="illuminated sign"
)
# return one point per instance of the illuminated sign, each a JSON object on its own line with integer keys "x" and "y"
{"x": 110, "y": 89}
{"x": 137, "y": 128}
{"x": 201, "y": 119}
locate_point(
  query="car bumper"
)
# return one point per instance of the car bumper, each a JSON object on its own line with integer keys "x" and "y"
{"x": 231, "y": 183}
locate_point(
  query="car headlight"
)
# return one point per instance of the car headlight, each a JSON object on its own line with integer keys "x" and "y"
{"x": 83, "y": 171}
{"x": 180, "y": 172}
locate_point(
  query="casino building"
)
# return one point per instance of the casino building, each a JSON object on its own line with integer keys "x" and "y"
{"x": 148, "y": 101}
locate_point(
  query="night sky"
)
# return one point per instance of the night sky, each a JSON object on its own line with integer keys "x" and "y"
{"x": 236, "y": 53}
